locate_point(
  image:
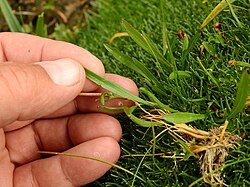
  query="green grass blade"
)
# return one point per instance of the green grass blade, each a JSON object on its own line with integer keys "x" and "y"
{"x": 186, "y": 52}
{"x": 139, "y": 165}
{"x": 179, "y": 75}
{"x": 92, "y": 158}
{"x": 243, "y": 64}
{"x": 213, "y": 79}
{"x": 132, "y": 63}
{"x": 138, "y": 38}
{"x": 115, "y": 88}
{"x": 209, "y": 48}
{"x": 241, "y": 95}
{"x": 111, "y": 109}
{"x": 164, "y": 29}
{"x": 10, "y": 18}
{"x": 185, "y": 43}
{"x": 183, "y": 117}
{"x": 154, "y": 99}
{"x": 223, "y": 4}
{"x": 40, "y": 26}
{"x": 146, "y": 43}
{"x": 233, "y": 13}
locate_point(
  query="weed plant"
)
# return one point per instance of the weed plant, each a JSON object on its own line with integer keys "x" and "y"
{"x": 188, "y": 75}
{"x": 206, "y": 83}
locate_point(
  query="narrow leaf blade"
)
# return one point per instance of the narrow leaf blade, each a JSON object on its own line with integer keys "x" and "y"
{"x": 179, "y": 75}
{"x": 183, "y": 117}
{"x": 10, "y": 18}
{"x": 241, "y": 95}
{"x": 223, "y": 4}
{"x": 40, "y": 26}
{"x": 132, "y": 63}
{"x": 146, "y": 43}
{"x": 114, "y": 88}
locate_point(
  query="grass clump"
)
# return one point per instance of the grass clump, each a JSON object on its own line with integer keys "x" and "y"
{"x": 185, "y": 71}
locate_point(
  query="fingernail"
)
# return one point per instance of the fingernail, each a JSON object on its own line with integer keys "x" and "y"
{"x": 63, "y": 72}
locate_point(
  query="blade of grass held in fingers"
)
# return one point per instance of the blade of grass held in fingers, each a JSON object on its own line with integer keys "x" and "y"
{"x": 241, "y": 96}
{"x": 223, "y": 4}
{"x": 182, "y": 117}
{"x": 91, "y": 158}
{"x": 114, "y": 88}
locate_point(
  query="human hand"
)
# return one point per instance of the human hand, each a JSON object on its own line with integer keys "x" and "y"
{"x": 40, "y": 80}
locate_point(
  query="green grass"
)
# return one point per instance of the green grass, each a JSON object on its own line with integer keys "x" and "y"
{"x": 212, "y": 85}
{"x": 180, "y": 78}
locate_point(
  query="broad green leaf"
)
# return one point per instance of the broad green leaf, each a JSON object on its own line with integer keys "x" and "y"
{"x": 139, "y": 121}
{"x": 223, "y": 4}
{"x": 183, "y": 117}
{"x": 40, "y": 26}
{"x": 10, "y": 18}
{"x": 179, "y": 75}
{"x": 241, "y": 95}
{"x": 114, "y": 88}
{"x": 132, "y": 63}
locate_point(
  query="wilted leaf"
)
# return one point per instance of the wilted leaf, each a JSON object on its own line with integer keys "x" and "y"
{"x": 223, "y": 4}
{"x": 117, "y": 35}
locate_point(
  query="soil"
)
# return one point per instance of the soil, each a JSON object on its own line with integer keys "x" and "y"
{"x": 70, "y": 13}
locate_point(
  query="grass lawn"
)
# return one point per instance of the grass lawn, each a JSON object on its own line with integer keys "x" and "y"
{"x": 199, "y": 77}
{"x": 198, "y": 94}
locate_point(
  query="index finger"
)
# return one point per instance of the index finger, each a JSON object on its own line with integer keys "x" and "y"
{"x": 25, "y": 48}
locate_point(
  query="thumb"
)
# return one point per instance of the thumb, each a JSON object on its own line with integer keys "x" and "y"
{"x": 30, "y": 91}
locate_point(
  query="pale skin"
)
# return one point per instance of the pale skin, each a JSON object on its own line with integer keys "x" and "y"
{"x": 37, "y": 114}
